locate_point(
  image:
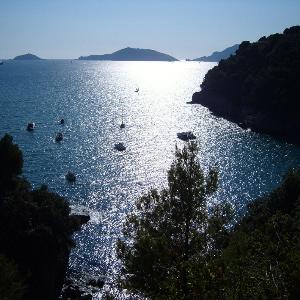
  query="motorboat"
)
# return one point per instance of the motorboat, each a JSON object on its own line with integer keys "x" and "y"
{"x": 137, "y": 90}
{"x": 59, "y": 137}
{"x": 30, "y": 126}
{"x": 120, "y": 147}
{"x": 62, "y": 121}
{"x": 186, "y": 136}
{"x": 70, "y": 177}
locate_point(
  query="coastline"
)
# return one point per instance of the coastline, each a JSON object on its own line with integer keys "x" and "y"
{"x": 270, "y": 123}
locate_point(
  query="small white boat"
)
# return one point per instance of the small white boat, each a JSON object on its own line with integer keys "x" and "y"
{"x": 120, "y": 147}
{"x": 186, "y": 136}
{"x": 59, "y": 137}
{"x": 70, "y": 177}
{"x": 30, "y": 126}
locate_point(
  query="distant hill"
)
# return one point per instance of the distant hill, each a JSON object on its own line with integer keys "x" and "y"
{"x": 258, "y": 88}
{"x": 218, "y": 55}
{"x": 27, "y": 56}
{"x": 132, "y": 54}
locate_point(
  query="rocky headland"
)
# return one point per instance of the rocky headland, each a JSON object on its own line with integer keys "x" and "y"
{"x": 258, "y": 88}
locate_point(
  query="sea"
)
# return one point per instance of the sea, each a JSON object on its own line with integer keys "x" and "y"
{"x": 93, "y": 97}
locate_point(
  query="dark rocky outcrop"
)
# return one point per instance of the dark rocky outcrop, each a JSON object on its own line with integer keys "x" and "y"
{"x": 132, "y": 54}
{"x": 82, "y": 288}
{"x": 81, "y": 218}
{"x": 75, "y": 292}
{"x": 258, "y": 88}
{"x": 218, "y": 55}
{"x": 96, "y": 282}
{"x": 27, "y": 56}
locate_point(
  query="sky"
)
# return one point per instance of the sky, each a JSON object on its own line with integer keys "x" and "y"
{"x": 181, "y": 28}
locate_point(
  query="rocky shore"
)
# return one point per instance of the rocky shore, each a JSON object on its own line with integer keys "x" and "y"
{"x": 275, "y": 124}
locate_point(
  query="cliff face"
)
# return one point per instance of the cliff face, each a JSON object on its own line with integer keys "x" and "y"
{"x": 258, "y": 88}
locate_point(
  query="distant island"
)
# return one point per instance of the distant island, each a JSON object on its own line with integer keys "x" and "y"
{"x": 27, "y": 56}
{"x": 258, "y": 88}
{"x": 218, "y": 55}
{"x": 132, "y": 54}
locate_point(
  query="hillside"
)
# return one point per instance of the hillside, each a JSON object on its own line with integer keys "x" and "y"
{"x": 132, "y": 54}
{"x": 27, "y": 56}
{"x": 258, "y": 88}
{"x": 218, "y": 55}
{"x": 36, "y": 232}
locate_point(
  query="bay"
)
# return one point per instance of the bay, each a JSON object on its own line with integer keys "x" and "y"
{"x": 93, "y": 97}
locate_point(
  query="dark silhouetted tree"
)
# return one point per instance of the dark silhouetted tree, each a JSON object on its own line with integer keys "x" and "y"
{"x": 11, "y": 163}
{"x": 35, "y": 229}
{"x": 172, "y": 232}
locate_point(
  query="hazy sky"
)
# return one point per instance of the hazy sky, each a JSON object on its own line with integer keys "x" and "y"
{"x": 182, "y": 28}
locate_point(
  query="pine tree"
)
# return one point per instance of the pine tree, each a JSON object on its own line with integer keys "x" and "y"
{"x": 171, "y": 232}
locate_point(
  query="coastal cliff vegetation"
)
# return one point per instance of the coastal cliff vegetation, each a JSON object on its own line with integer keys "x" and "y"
{"x": 178, "y": 245}
{"x": 258, "y": 87}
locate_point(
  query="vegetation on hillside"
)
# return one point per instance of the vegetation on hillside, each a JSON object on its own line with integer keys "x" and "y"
{"x": 178, "y": 246}
{"x": 259, "y": 86}
{"x": 35, "y": 232}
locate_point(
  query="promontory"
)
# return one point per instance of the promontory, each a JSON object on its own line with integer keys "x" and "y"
{"x": 258, "y": 88}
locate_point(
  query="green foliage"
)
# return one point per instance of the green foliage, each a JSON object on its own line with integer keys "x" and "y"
{"x": 35, "y": 227}
{"x": 11, "y": 282}
{"x": 263, "y": 257}
{"x": 168, "y": 244}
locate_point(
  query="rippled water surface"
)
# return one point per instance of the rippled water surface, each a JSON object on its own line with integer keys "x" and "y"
{"x": 92, "y": 97}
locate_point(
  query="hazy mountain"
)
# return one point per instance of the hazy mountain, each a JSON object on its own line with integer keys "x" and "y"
{"x": 27, "y": 56}
{"x": 132, "y": 54}
{"x": 218, "y": 55}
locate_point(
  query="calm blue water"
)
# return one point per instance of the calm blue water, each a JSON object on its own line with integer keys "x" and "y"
{"x": 91, "y": 96}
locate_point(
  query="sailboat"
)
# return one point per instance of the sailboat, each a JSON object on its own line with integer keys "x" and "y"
{"x": 120, "y": 146}
{"x": 122, "y": 124}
